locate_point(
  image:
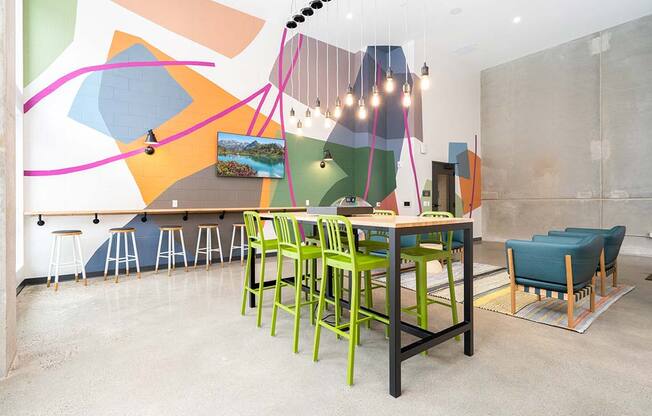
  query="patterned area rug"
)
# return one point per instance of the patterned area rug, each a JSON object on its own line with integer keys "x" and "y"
{"x": 491, "y": 292}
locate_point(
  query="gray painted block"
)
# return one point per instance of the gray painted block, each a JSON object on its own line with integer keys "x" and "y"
{"x": 627, "y": 110}
{"x": 521, "y": 219}
{"x": 540, "y": 122}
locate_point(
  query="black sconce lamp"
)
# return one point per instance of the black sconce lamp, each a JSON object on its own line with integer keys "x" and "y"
{"x": 327, "y": 157}
{"x": 149, "y": 141}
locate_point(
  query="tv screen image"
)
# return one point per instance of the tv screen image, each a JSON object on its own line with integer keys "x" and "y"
{"x": 250, "y": 156}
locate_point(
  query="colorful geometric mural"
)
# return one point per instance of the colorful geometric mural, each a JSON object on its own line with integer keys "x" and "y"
{"x": 468, "y": 170}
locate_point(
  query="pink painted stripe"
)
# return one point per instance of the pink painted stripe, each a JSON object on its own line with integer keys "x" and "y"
{"x": 282, "y": 86}
{"x": 260, "y": 104}
{"x": 373, "y": 144}
{"x": 279, "y": 98}
{"x": 414, "y": 168}
{"x": 177, "y": 136}
{"x": 74, "y": 74}
{"x": 475, "y": 159}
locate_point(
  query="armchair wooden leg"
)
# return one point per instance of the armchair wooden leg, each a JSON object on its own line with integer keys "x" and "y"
{"x": 569, "y": 292}
{"x": 592, "y": 298}
{"x": 615, "y": 274}
{"x": 603, "y": 274}
{"x": 512, "y": 280}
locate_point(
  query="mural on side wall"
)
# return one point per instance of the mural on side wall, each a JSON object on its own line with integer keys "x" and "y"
{"x": 188, "y": 85}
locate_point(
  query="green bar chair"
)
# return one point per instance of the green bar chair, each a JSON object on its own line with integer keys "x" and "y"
{"x": 256, "y": 239}
{"x": 290, "y": 246}
{"x": 421, "y": 255}
{"x": 344, "y": 257}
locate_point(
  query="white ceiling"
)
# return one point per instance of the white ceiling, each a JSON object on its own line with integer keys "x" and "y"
{"x": 482, "y": 34}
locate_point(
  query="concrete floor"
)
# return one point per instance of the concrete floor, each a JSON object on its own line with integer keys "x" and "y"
{"x": 167, "y": 346}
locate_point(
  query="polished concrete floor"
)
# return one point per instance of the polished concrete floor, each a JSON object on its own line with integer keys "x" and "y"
{"x": 171, "y": 346}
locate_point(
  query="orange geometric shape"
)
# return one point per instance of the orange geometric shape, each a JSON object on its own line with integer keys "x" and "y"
{"x": 466, "y": 184}
{"x": 390, "y": 203}
{"x": 223, "y": 29}
{"x": 196, "y": 151}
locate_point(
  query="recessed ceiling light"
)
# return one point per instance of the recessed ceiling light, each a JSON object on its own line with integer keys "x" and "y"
{"x": 456, "y": 11}
{"x": 517, "y": 20}
{"x": 349, "y": 15}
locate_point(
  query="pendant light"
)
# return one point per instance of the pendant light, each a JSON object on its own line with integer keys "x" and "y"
{"x": 307, "y": 121}
{"x": 299, "y": 123}
{"x": 375, "y": 96}
{"x": 317, "y": 102}
{"x": 337, "y": 112}
{"x": 348, "y": 99}
{"x": 299, "y": 128}
{"x": 362, "y": 110}
{"x": 406, "y": 100}
{"x": 425, "y": 71}
{"x": 389, "y": 77}
{"x": 328, "y": 122}
{"x": 293, "y": 117}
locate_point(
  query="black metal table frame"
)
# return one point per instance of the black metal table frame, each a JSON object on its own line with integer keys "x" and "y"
{"x": 427, "y": 339}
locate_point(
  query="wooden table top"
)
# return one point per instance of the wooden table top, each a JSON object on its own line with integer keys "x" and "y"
{"x": 161, "y": 211}
{"x": 384, "y": 221}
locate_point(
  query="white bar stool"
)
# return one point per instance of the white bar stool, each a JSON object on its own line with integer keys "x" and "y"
{"x": 208, "y": 249}
{"x": 243, "y": 242}
{"x": 171, "y": 254}
{"x": 77, "y": 257}
{"x": 126, "y": 232}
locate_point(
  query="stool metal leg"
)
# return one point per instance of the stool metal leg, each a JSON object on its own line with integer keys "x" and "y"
{"x": 133, "y": 241}
{"x": 158, "y": 255}
{"x": 108, "y": 257}
{"x": 171, "y": 258}
{"x": 56, "y": 269}
{"x": 81, "y": 260}
{"x": 219, "y": 244}
{"x": 197, "y": 249}
{"x": 54, "y": 244}
{"x": 242, "y": 244}
{"x": 74, "y": 260}
{"x": 117, "y": 258}
{"x": 183, "y": 250}
{"x": 232, "y": 242}
{"x": 126, "y": 253}
{"x": 209, "y": 247}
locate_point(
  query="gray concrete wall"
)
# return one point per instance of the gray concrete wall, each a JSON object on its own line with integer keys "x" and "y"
{"x": 7, "y": 188}
{"x": 567, "y": 138}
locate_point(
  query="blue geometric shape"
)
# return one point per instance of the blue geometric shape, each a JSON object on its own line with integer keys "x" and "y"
{"x": 457, "y": 154}
{"x": 126, "y": 102}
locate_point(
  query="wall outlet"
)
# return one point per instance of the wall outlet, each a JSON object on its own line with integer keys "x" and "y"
{"x": 406, "y": 203}
{"x": 307, "y": 202}
{"x": 649, "y": 235}
{"x": 175, "y": 203}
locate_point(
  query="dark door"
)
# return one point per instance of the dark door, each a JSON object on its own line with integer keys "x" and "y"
{"x": 443, "y": 187}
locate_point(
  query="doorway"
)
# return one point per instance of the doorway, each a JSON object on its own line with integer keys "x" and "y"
{"x": 443, "y": 187}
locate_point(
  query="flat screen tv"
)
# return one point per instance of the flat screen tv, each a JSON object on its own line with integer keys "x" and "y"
{"x": 249, "y": 156}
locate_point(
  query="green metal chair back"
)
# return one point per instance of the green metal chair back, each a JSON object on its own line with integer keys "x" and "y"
{"x": 437, "y": 237}
{"x": 287, "y": 232}
{"x": 330, "y": 237}
{"x": 383, "y": 213}
{"x": 254, "y": 227}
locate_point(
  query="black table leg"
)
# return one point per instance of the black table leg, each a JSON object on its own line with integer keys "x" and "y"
{"x": 468, "y": 289}
{"x": 394, "y": 281}
{"x": 252, "y": 276}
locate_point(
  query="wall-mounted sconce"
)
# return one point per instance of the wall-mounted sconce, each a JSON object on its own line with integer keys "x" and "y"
{"x": 149, "y": 141}
{"x": 327, "y": 157}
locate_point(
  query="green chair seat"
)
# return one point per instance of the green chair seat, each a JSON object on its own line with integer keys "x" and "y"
{"x": 419, "y": 253}
{"x": 305, "y": 252}
{"x": 363, "y": 262}
{"x": 373, "y": 245}
{"x": 267, "y": 244}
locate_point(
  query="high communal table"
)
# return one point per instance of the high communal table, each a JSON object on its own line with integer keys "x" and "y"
{"x": 395, "y": 227}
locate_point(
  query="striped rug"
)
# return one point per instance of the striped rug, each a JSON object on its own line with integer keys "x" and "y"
{"x": 491, "y": 292}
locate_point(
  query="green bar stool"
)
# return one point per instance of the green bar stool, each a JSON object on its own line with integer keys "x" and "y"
{"x": 337, "y": 255}
{"x": 290, "y": 246}
{"x": 421, "y": 256}
{"x": 256, "y": 239}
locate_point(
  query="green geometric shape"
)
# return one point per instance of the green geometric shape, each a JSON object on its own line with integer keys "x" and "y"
{"x": 48, "y": 29}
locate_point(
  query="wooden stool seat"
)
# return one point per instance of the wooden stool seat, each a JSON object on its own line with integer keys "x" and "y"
{"x": 67, "y": 232}
{"x": 170, "y": 227}
{"x": 122, "y": 230}
{"x": 207, "y": 225}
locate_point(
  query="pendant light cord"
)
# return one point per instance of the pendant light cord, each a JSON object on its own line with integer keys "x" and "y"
{"x": 317, "y": 60}
{"x": 406, "y": 36}
{"x": 308, "y": 73}
{"x": 389, "y": 43}
{"x": 375, "y": 42}
{"x": 337, "y": 52}
{"x": 364, "y": 52}
{"x": 328, "y": 69}
{"x": 348, "y": 42}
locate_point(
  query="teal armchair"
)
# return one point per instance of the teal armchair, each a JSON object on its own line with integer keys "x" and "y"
{"x": 613, "y": 240}
{"x": 554, "y": 267}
